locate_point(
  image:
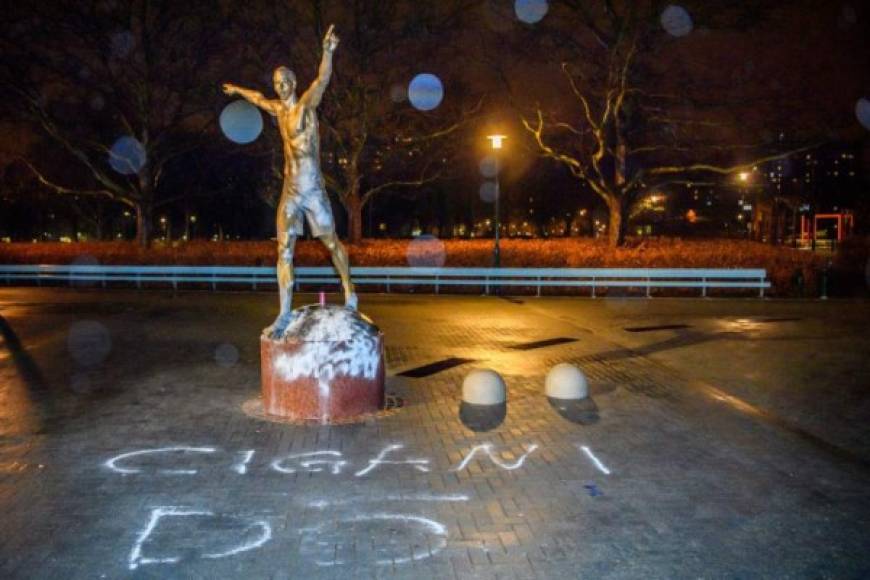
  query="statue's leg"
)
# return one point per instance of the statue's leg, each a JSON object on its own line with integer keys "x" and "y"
{"x": 289, "y": 224}
{"x": 286, "y": 246}
{"x": 319, "y": 214}
{"x": 342, "y": 266}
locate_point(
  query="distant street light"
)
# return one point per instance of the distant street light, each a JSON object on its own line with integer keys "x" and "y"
{"x": 744, "y": 176}
{"x": 496, "y": 142}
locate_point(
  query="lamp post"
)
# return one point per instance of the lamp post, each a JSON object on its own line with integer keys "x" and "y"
{"x": 743, "y": 176}
{"x": 496, "y": 142}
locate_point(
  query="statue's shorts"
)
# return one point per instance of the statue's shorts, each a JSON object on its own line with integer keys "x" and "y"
{"x": 314, "y": 205}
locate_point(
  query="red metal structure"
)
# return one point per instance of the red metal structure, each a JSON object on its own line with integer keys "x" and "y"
{"x": 841, "y": 228}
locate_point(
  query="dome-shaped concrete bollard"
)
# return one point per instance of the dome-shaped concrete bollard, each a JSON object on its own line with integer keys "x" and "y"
{"x": 483, "y": 387}
{"x": 565, "y": 381}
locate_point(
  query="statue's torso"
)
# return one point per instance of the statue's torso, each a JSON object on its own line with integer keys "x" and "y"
{"x": 299, "y": 133}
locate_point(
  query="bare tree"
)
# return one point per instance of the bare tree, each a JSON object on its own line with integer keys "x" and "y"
{"x": 87, "y": 74}
{"x": 645, "y": 111}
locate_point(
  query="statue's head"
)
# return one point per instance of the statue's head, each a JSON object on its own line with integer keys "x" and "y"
{"x": 285, "y": 82}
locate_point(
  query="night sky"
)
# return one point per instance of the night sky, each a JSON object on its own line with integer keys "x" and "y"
{"x": 113, "y": 110}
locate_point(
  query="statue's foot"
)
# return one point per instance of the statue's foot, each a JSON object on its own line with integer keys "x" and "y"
{"x": 276, "y": 329}
{"x": 351, "y": 301}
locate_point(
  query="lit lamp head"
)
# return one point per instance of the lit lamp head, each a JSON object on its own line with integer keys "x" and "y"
{"x": 496, "y": 140}
{"x": 743, "y": 176}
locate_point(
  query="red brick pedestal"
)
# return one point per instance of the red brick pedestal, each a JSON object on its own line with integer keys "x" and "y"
{"x": 329, "y": 366}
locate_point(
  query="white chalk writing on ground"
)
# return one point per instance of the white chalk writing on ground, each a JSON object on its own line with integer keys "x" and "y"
{"x": 319, "y": 541}
{"x": 309, "y": 464}
{"x": 418, "y": 464}
{"x": 136, "y": 558}
{"x": 113, "y": 462}
{"x": 427, "y": 536}
{"x": 242, "y": 468}
{"x": 392, "y": 497}
{"x": 321, "y": 460}
{"x": 487, "y": 448}
{"x": 595, "y": 461}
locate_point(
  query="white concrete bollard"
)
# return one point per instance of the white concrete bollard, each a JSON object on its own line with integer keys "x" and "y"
{"x": 565, "y": 381}
{"x": 483, "y": 387}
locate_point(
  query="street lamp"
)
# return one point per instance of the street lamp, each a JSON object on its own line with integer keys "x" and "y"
{"x": 743, "y": 176}
{"x": 496, "y": 142}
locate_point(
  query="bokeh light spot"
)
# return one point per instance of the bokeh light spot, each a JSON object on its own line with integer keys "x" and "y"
{"x": 85, "y": 260}
{"x": 80, "y": 383}
{"x": 121, "y": 44}
{"x": 97, "y": 102}
{"x": 488, "y": 192}
{"x": 676, "y": 21}
{"x": 531, "y": 11}
{"x": 489, "y": 166}
{"x": 848, "y": 17}
{"x": 862, "y": 111}
{"x": 425, "y": 92}
{"x": 426, "y": 251}
{"x": 241, "y": 122}
{"x": 226, "y": 355}
{"x": 127, "y": 155}
{"x": 88, "y": 342}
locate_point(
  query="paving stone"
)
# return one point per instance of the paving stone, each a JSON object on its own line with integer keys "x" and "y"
{"x": 685, "y": 485}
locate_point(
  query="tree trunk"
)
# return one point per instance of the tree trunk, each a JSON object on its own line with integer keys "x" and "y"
{"x": 145, "y": 206}
{"x": 353, "y": 205}
{"x": 144, "y": 217}
{"x": 618, "y": 223}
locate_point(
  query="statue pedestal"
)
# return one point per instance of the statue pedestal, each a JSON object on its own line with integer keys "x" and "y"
{"x": 327, "y": 366}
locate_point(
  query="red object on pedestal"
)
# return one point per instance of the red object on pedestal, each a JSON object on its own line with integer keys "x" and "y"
{"x": 328, "y": 367}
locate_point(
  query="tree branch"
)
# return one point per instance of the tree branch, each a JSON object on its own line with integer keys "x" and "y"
{"x": 705, "y": 167}
{"x": 73, "y": 191}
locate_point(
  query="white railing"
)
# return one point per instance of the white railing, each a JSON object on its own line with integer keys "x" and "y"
{"x": 389, "y": 277}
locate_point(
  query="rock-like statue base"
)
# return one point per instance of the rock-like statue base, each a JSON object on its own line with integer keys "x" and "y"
{"x": 328, "y": 365}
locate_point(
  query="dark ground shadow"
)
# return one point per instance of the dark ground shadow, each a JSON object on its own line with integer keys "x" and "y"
{"x": 579, "y": 411}
{"x": 682, "y": 339}
{"x": 481, "y": 418}
{"x": 27, "y": 367}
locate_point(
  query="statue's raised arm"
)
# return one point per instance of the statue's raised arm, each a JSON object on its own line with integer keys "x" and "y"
{"x": 253, "y": 97}
{"x": 314, "y": 94}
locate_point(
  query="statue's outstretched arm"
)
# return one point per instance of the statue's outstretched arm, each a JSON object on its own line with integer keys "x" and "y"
{"x": 314, "y": 94}
{"x": 253, "y": 97}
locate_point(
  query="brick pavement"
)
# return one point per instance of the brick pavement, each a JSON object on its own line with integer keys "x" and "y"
{"x": 685, "y": 485}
